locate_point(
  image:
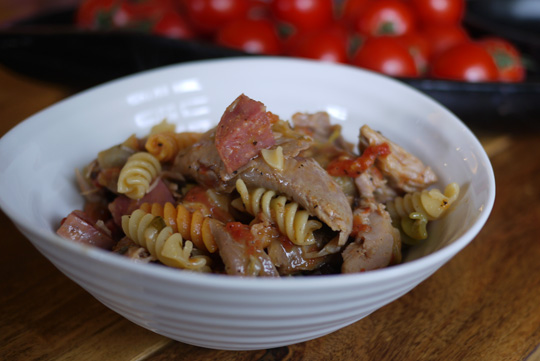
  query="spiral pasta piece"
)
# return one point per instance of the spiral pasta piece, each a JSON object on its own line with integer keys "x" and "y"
{"x": 193, "y": 226}
{"x": 152, "y": 233}
{"x": 166, "y": 145}
{"x": 414, "y": 210}
{"x": 137, "y": 175}
{"x": 290, "y": 220}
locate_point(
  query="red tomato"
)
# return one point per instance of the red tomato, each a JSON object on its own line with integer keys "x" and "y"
{"x": 326, "y": 44}
{"x": 96, "y": 14}
{"x": 439, "y": 12}
{"x": 353, "y": 9}
{"x": 259, "y": 9}
{"x": 386, "y": 17}
{"x": 507, "y": 58}
{"x": 420, "y": 49}
{"x": 256, "y": 36}
{"x": 444, "y": 37}
{"x": 466, "y": 62}
{"x": 173, "y": 25}
{"x": 387, "y": 55}
{"x": 209, "y": 15}
{"x": 303, "y": 15}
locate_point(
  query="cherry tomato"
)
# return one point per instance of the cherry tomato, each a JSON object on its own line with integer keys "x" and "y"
{"x": 303, "y": 15}
{"x": 326, "y": 44}
{"x": 507, "y": 58}
{"x": 259, "y": 9}
{"x": 96, "y": 14}
{"x": 173, "y": 25}
{"x": 467, "y": 61}
{"x": 386, "y": 17}
{"x": 419, "y": 47}
{"x": 442, "y": 37}
{"x": 449, "y": 12}
{"x": 352, "y": 9}
{"x": 209, "y": 15}
{"x": 256, "y": 36}
{"x": 387, "y": 55}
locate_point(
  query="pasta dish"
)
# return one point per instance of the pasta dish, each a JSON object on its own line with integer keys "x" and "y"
{"x": 258, "y": 196}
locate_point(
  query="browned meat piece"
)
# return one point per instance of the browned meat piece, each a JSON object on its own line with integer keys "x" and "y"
{"x": 239, "y": 258}
{"x": 373, "y": 247}
{"x": 290, "y": 258}
{"x": 371, "y": 184}
{"x": 202, "y": 162}
{"x": 132, "y": 250}
{"x": 308, "y": 184}
{"x": 404, "y": 171}
{"x": 78, "y": 227}
{"x": 318, "y": 126}
{"x": 302, "y": 180}
{"x": 244, "y": 129}
{"x": 328, "y": 142}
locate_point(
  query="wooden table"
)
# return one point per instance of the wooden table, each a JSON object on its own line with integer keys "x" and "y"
{"x": 483, "y": 305}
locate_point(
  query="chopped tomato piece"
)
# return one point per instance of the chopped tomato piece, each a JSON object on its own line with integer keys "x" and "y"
{"x": 354, "y": 167}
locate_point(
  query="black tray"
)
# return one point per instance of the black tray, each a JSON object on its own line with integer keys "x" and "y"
{"x": 50, "y": 48}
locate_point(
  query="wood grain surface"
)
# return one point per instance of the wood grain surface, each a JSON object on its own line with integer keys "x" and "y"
{"x": 482, "y": 305}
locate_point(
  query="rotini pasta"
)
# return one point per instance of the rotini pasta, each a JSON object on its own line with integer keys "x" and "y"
{"x": 166, "y": 145}
{"x": 192, "y": 225}
{"x": 166, "y": 246}
{"x": 163, "y": 126}
{"x": 414, "y": 210}
{"x": 291, "y": 221}
{"x": 137, "y": 175}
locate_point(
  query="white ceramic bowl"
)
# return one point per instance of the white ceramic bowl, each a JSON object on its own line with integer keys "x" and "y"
{"x": 37, "y": 189}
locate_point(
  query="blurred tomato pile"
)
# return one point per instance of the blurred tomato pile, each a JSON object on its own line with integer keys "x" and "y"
{"x": 402, "y": 38}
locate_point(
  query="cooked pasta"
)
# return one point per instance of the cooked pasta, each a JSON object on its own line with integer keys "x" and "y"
{"x": 166, "y": 145}
{"x": 162, "y": 146}
{"x": 163, "y": 126}
{"x": 152, "y": 233}
{"x": 273, "y": 157}
{"x": 137, "y": 175}
{"x": 290, "y": 220}
{"x": 413, "y": 211}
{"x": 192, "y": 225}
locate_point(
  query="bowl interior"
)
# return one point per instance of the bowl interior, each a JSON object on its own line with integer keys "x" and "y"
{"x": 39, "y": 156}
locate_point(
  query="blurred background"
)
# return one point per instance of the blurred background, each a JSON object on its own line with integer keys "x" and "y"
{"x": 15, "y": 10}
{"x": 479, "y": 58}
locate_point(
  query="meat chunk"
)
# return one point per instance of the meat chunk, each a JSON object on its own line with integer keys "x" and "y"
{"x": 78, "y": 227}
{"x": 308, "y": 184}
{"x": 328, "y": 142}
{"x": 244, "y": 129}
{"x": 404, "y": 171}
{"x": 302, "y": 180}
{"x": 372, "y": 185}
{"x": 203, "y": 163}
{"x": 123, "y": 205}
{"x": 318, "y": 126}
{"x": 290, "y": 258}
{"x": 373, "y": 247}
{"x": 239, "y": 258}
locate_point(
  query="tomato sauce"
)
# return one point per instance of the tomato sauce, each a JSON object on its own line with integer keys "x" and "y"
{"x": 354, "y": 167}
{"x": 241, "y": 233}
